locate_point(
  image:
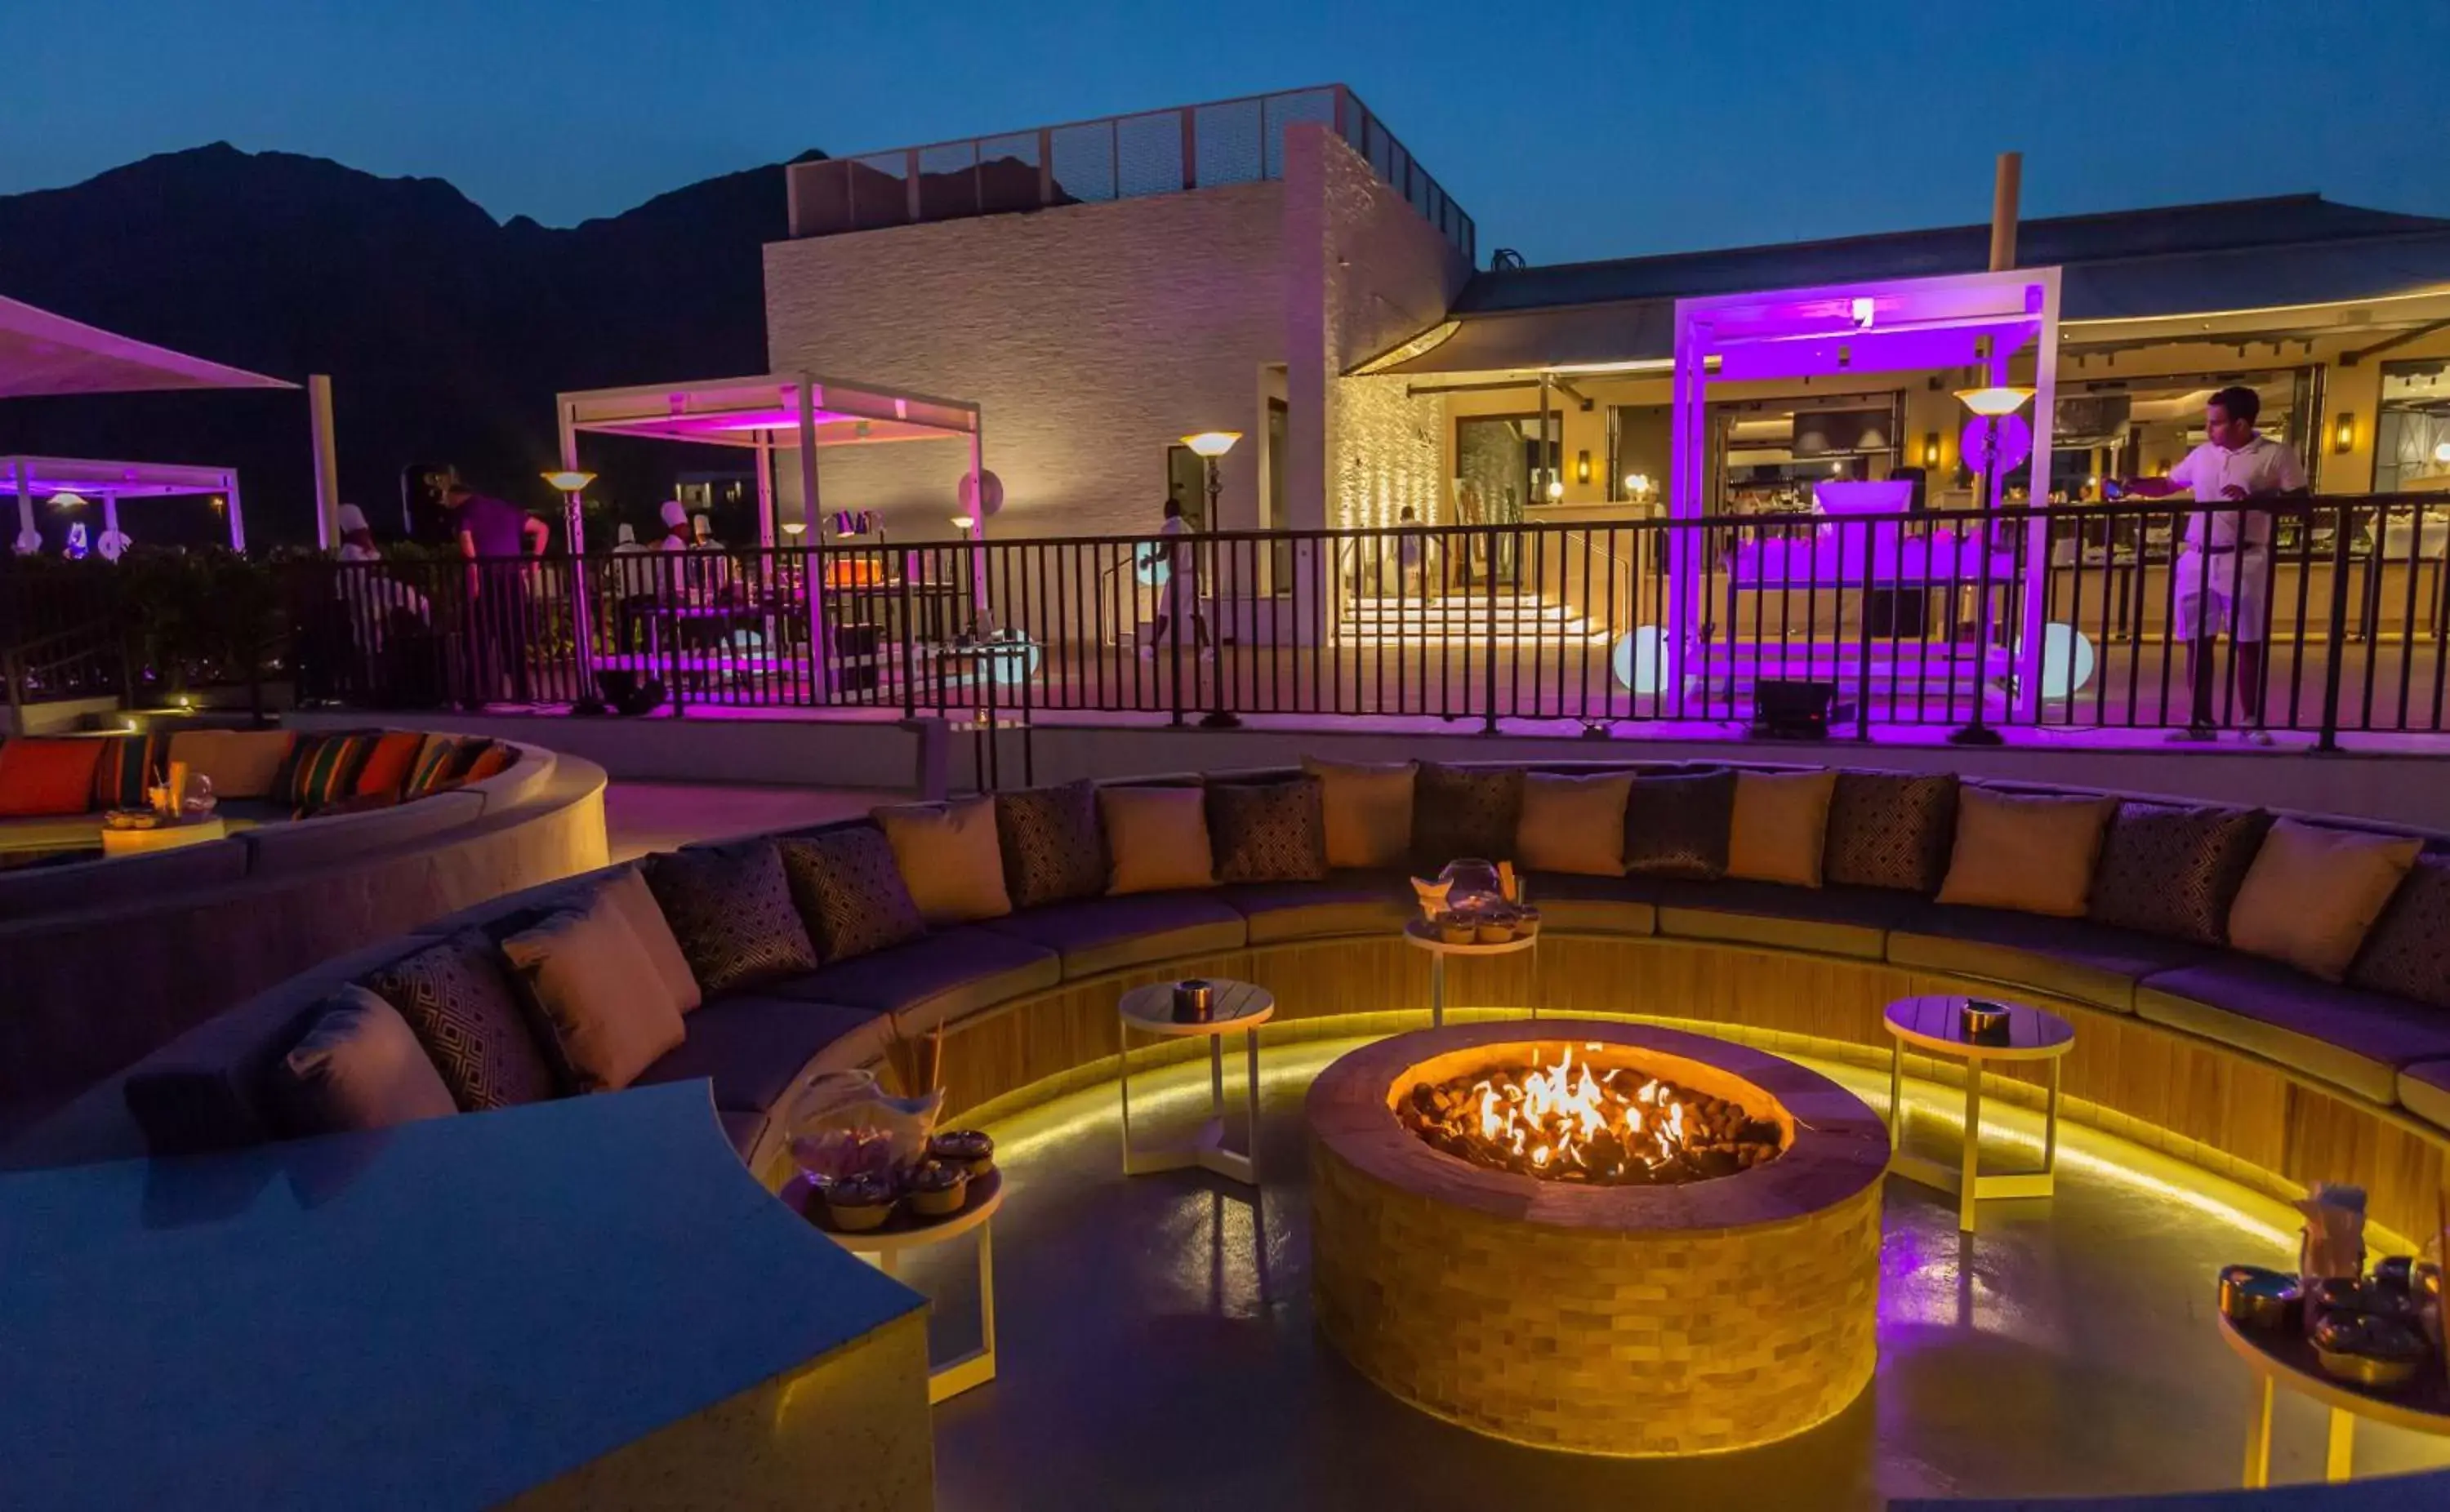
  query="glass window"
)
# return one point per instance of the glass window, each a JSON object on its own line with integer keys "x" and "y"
{"x": 2412, "y": 432}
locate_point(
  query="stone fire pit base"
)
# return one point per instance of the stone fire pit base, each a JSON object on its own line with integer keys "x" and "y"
{"x": 1620, "y": 1320}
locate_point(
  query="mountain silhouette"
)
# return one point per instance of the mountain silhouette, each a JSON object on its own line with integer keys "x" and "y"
{"x": 446, "y": 333}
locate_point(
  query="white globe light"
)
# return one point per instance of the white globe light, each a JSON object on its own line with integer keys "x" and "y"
{"x": 2068, "y": 660}
{"x": 1640, "y": 661}
{"x": 1152, "y": 563}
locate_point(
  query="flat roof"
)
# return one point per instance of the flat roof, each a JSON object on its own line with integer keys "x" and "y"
{"x": 46, "y": 354}
{"x": 46, "y": 476}
{"x": 765, "y": 409}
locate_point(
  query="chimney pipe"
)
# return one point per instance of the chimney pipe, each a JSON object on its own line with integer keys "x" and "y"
{"x": 2003, "y": 210}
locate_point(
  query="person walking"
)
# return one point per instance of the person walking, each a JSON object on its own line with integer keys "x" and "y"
{"x": 2223, "y": 582}
{"x": 497, "y": 539}
{"x": 1179, "y": 588}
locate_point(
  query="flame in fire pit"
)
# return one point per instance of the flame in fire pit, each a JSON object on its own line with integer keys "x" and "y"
{"x": 1571, "y": 1122}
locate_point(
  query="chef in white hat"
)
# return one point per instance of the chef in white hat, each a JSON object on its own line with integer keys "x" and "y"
{"x": 357, "y": 536}
{"x": 676, "y": 527}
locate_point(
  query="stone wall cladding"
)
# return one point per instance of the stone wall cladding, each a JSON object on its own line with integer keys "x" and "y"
{"x": 1092, "y": 336}
{"x": 1600, "y": 1343}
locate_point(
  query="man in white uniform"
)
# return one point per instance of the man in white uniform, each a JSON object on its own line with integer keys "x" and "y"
{"x": 2223, "y": 570}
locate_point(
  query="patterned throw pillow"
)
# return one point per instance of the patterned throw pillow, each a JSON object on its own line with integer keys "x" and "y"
{"x": 849, "y": 892}
{"x": 2172, "y": 870}
{"x": 466, "y": 1013}
{"x": 731, "y": 908}
{"x": 434, "y": 764}
{"x": 2408, "y": 955}
{"x": 1888, "y": 830}
{"x": 1268, "y": 831}
{"x": 1053, "y": 849}
{"x": 322, "y": 768}
{"x": 493, "y": 759}
{"x": 1460, "y": 811}
{"x": 129, "y": 765}
{"x": 1677, "y": 825}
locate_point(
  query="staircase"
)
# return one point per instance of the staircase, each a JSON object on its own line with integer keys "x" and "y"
{"x": 1467, "y": 616}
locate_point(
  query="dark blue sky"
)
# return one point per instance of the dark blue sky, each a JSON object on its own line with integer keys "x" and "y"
{"x": 1570, "y": 130}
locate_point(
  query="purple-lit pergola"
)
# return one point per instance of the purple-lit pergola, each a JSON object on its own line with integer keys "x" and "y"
{"x": 1975, "y": 320}
{"x": 34, "y": 478}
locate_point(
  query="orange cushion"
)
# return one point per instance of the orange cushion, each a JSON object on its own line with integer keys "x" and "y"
{"x": 386, "y": 770}
{"x": 40, "y": 776}
{"x": 493, "y": 761}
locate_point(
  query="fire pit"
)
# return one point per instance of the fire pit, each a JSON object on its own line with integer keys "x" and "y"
{"x": 1608, "y": 1238}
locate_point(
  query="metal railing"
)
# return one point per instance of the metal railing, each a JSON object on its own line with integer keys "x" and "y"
{"x": 60, "y": 635}
{"x": 1197, "y": 147}
{"x": 2335, "y": 624}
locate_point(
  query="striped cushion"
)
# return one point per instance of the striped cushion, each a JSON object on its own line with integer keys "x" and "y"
{"x": 323, "y": 768}
{"x": 433, "y": 764}
{"x": 129, "y": 765}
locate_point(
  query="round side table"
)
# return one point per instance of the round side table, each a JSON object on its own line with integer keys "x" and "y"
{"x": 1934, "y": 1025}
{"x": 883, "y": 1248}
{"x": 1234, "y": 1006}
{"x": 2284, "y": 1357}
{"x": 1420, "y": 934}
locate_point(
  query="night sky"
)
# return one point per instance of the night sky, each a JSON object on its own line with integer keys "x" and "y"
{"x": 1569, "y": 131}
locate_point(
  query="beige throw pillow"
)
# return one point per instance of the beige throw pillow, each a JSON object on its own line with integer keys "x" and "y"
{"x": 2312, "y": 894}
{"x": 241, "y": 762}
{"x": 1572, "y": 824}
{"x": 1781, "y": 826}
{"x": 599, "y": 1001}
{"x": 1156, "y": 839}
{"x": 2033, "y": 853}
{"x": 950, "y": 859}
{"x": 635, "y": 903}
{"x": 1369, "y": 810}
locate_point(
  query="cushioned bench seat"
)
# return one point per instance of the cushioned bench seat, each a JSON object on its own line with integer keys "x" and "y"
{"x": 753, "y": 1048}
{"x": 948, "y": 973}
{"x": 1094, "y": 935}
{"x": 1592, "y": 905}
{"x": 2424, "y": 1090}
{"x": 1851, "y": 921}
{"x": 2071, "y": 958}
{"x": 1348, "y": 903}
{"x": 2352, "y": 1038}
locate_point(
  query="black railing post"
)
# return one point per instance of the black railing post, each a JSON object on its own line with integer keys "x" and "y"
{"x": 2332, "y": 657}
{"x": 1488, "y": 634}
{"x": 907, "y": 671}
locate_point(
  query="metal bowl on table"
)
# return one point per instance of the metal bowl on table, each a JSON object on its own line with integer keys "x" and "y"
{"x": 2253, "y": 1297}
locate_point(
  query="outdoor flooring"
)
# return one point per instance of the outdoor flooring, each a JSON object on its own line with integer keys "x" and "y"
{"x": 1157, "y": 1350}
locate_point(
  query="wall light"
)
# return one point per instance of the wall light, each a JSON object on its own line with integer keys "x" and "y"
{"x": 2344, "y": 433}
{"x": 1930, "y": 448}
{"x": 1556, "y": 490}
{"x": 1582, "y": 467}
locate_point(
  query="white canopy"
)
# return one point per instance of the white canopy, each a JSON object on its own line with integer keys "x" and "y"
{"x": 42, "y": 353}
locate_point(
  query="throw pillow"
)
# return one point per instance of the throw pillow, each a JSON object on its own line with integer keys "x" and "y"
{"x": 1268, "y": 831}
{"x": 2313, "y": 894}
{"x": 1460, "y": 811}
{"x": 321, "y": 769}
{"x": 465, "y": 1010}
{"x": 496, "y": 758}
{"x": 1780, "y": 829}
{"x": 388, "y": 764}
{"x": 1677, "y": 823}
{"x": 2172, "y": 870}
{"x": 1573, "y": 823}
{"x": 2030, "y": 852}
{"x": 434, "y": 760}
{"x": 1054, "y": 850}
{"x": 127, "y": 768}
{"x": 628, "y": 891}
{"x": 46, "y": 776}
{"x": 729, "y": 907}
{"x": 1157, "y": 839}
{"x": 603, "y": 1013}
{"x": 2407, "y": 956}
{"x": 950, "y": 859}
{"x": 238, "y": 763}
{"x": 1888, "y": 830}
{"x": 1369, "y": 810}
{"x": 849, "y": 892}
{"x": 357, "y": 1066}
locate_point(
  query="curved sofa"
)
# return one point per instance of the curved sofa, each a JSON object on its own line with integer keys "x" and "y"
{"x": 106, "y": 961}
{"x": 2242, "y": 1066}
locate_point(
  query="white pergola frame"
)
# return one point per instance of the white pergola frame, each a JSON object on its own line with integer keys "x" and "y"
{"x": 32, "y": 476}
{"x": 1816, "y": 332}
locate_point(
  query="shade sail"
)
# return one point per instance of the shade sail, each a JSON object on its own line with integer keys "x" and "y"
{"x": 42, "y": 353}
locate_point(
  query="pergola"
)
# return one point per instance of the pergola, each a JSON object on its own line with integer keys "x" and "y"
{"x": 46, "y": 354}
{"x": 1979, "y": 321}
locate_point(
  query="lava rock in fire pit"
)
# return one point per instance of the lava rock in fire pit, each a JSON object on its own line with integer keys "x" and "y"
{"x": 1580, "y": 1124}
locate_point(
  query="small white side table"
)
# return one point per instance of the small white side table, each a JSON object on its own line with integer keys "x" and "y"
{"x": 1932, "y": 1024}
{"x": 1236, "y": 1006}
{"x": 1421, "y": 935}
{"x": 882, "y": 1248}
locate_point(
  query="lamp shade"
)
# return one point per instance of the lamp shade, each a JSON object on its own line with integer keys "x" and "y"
{"x": 1211, "y": 443}
{"x": 569, "y": 482}
{"x": 2002, "y": 398}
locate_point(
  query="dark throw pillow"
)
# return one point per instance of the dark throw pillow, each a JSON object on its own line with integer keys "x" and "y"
{"x": 1677, "y": 825}
{"x": 2408, "y": 954}
{"x": 1268, "y": 831}
{"x": 2170, "y": 870}
{"x": 1464, "y": 811}
{"x": 465, "y": 1009}
{"x": 1889, "y": 829}
{"x": 731, "y": 910}
{"x": 1053, "y": 849}
{"x": 322, "y": 767}
{"x": 129, "y": 767}
{"x": 849, "y": 892}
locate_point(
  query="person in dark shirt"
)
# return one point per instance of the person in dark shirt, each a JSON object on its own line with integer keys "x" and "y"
{"x": 495, "y": 537}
